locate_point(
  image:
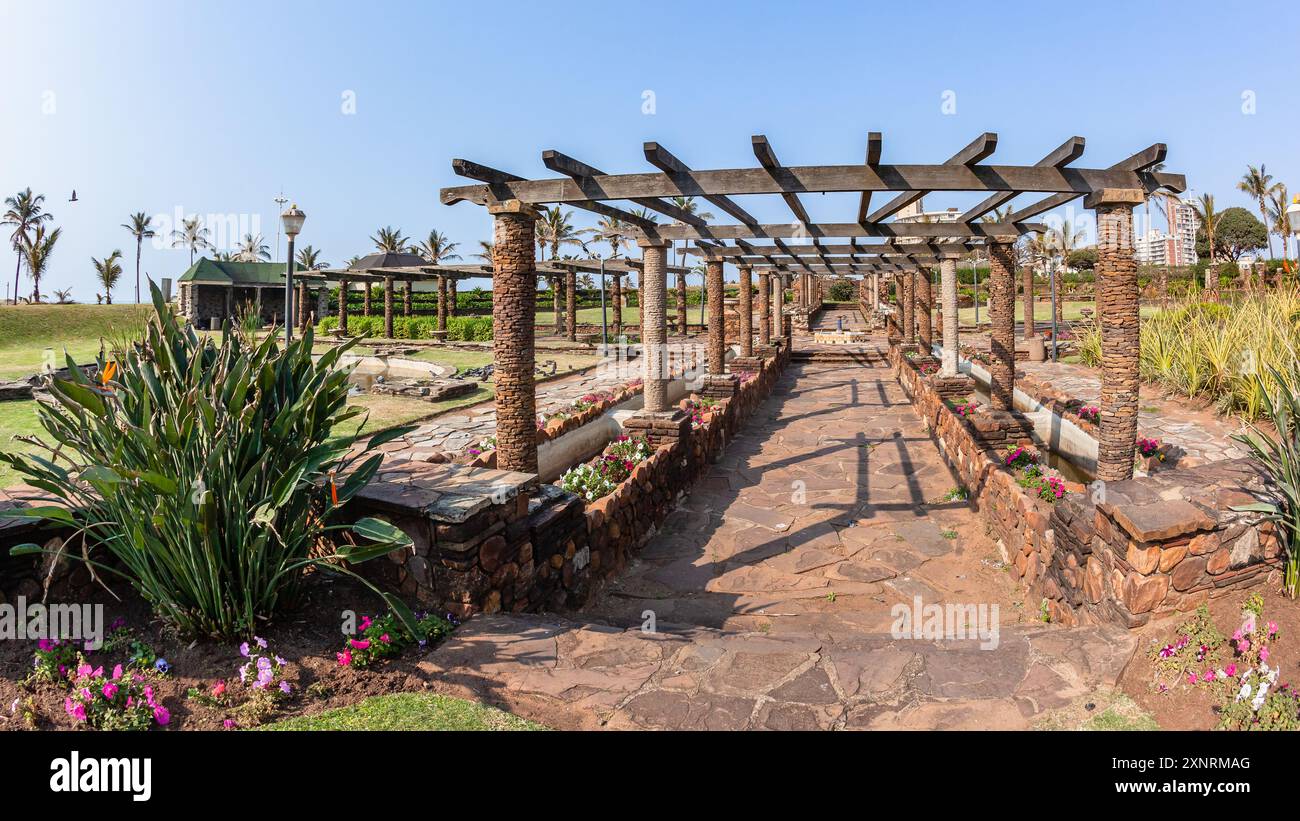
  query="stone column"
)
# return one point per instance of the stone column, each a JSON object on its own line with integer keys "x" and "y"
{"x": 343, "y": 306}
{"x": 322, "y": 302}
{"x": 681, "y": 304}
{"x": 764, "y": 308}
{"x": 365, "y": 300}
{"x": 1002, "y": 315}
{"x": 909, "y": 307}
{"x": 514, "y": 303}
{"x": 442, "y": 302}
{"x": 925, "y": 311}
{"x": 1117, "y": 310}
{"x": 617, "y": 294}
{"x": 388, "y": 307}
{"x": 948, "y": 287}
{"x": 658, "y": 422}
{"x": 408, "y": 297}
{"x": 1027, "y": 287}
{"x": 719, "y": 384}
{"x": 787, "y": 326}
{"x": 746, "y": 312}
{"x": 451, "y": 296}
{"x": 571, "y": 305}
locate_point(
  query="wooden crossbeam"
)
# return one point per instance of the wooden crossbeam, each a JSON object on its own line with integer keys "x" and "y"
{"x": 663, "y": 159}
{"x": 873, "y": 159}
{"x": 981, "y": 147}
{"x": 926, "y": 230}
{"x": 767, "y": 158}
{"x": 585, "y": 175}
{"x": 1066, "y": 153}
{"x": 1136, "y": 164}
{"x": 496, "y": 180}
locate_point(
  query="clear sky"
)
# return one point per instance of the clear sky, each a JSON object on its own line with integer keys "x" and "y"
{"x": 214, "y": 107}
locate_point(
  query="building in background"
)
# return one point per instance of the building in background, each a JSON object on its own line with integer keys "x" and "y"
{"x": 1178, "y": 247}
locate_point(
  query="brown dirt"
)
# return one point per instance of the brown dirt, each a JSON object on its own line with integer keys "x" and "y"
{"x": 1193, "y": 708}
{"x": 308, "y": 637}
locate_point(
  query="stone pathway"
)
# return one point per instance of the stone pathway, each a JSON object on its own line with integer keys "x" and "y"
{"x": 770, "y": 592}
{"x": 1201, "y": 434}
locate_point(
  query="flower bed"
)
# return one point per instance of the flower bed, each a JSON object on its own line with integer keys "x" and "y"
{"x": 1035, "y": 477}
{"x": 601, "y": 475}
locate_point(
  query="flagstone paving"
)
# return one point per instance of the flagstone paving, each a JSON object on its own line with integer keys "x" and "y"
{"x": 766, "y": 599}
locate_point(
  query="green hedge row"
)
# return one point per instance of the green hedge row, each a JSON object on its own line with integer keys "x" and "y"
{"x": 459, "y": 328}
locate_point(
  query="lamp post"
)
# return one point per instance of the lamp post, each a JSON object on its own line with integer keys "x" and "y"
{"x": 1293, "y": 217}
{"x": 292, "y": 220}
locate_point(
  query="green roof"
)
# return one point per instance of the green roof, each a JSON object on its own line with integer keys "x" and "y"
{"x": 236, "y": 273}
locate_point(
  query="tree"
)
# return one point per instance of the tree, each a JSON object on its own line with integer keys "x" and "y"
{"x": 1259, "y": 184}
{"x": 389, "y": 240}
{"x": 553, "y": 231}
{"x": 253, "y": 249}
{"x": 437, "y": 248}
{"x": 63, "y": 295}
{"x": 1083, "y": 259}
{"x": 24, "y": 211}
{"x": 309, "y": 259}
{"x": 139, "y": 226}
{"x": 485, "y": 251}
{"x": 1281, "y": 220}
{"x": 191, "y": 235}
{"x": 108, "y": 271}
{"x": 1236, "y": 232}
{"x": 612, "y": 231}
{"x": 1209, "y": 217}
{"x": 37, "y": 251}
{"x": 1061, "y": 242}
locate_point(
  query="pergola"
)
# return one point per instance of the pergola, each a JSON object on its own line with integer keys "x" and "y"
{"x": 824, "y": 248}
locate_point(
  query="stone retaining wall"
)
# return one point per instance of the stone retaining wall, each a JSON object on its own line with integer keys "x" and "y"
{"x": 1122, "y": 552}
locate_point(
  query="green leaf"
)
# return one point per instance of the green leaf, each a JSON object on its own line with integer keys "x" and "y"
{"x": 1257, "y": 507}
{"x": 27, "y": 549}
{"x": 98, "y": 474}
{"x": 389, "y": 435}
{"x": 50, "y": 512}
{"x": 82, "y": 395}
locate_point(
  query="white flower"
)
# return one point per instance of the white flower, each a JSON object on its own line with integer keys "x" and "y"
{"x": 1244, "y": 693}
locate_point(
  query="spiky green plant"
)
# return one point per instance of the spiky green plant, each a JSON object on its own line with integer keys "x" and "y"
{"x": 211, "y": 473}
{"x": 1280, "y": 456}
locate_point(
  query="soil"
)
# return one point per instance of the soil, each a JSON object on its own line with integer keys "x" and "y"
{"x": 1184, "y": 707}
{"x": 307, "y": 636}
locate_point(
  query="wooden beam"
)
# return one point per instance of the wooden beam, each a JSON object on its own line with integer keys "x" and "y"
{"x": 585, "y": 175}
{"x": 929, "y": 230}
{"x": 873, "y": 159}
{"x": 979, "y": 148}
{"x": 663, "y": 159}
{"x": 767, "y": 158}
{"x": 1137, "y": 164}
{"x": 1066, "y": 153}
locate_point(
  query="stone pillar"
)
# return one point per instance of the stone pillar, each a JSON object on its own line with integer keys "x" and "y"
{"x": 343, "y": 306}
{"x": 514, "y": 303}
{"x": 322, "y": 302}
{"x": 1002, "y": 315}
{"x": 408, "y": 297}
{"x": 451, "y": 296}
{"x": 365, "y": 300}
{"x": 681, "y": 304}
{"x": 787, "y": 326}
{"x": 718, "y": 384}
{"x": 764, "y": 308}
{"x": 388, "y": 307}
{"x": 746, "y": 312}
{"x": 1027, "y": 288}
{"x": 948, "y": 288}
{"x": 1117, "y": 310}
{"x": 925, "y": 311}
{"x": 571, "y": 305}
{"x": 617, "y": 294}
{"x": 909, "y": 307}
{"x": 442, "y": 302}
{"x": 658, "y": 422}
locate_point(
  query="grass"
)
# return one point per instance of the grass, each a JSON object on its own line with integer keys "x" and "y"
{"x": 1071, "y": 311}
{"x": 463, "y": 360}
{"x": 591, "y": 316}
{"x": 27, "y": 330}
{"x": 16, "y": 418}
{"x": 409, "y": 711}
{"x": 1110, "y": 710}
{"x": 390, "y": 411}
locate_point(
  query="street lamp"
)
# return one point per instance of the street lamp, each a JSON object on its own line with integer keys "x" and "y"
{"x": 292, "y": 219}
{"x": 1293, "y": 216}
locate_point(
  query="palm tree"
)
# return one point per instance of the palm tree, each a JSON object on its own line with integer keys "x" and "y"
{"x": 554, "y": 231}
{"x": 309, "y": 259}
{"x": 139, "y": 226}
{"x": 191, "y": 235}
{"x": 1259, "y": 184}
{"x": 437, "y": 248}
{"x": 108, "y": 270}
{"x": 389, "y": 240}
{"x": 690, "y": 206}
{"x": 63, "y": 295}
{"x": 253, "y": 249}
{"x": 612, "y": 231}
{"x": 485, "y": 251}
{"x": 1204, "y": 208}
{"x": 37, "y": 251}
{"x": 24, "y": 211}
{"x": 1280, "y": 219}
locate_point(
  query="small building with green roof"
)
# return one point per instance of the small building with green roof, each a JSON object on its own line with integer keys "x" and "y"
{"x": 212, "y": 291}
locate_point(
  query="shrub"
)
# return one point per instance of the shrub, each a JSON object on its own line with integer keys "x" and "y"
{"x": 386, "y": 637}
{"x": 121, "y": 700}
{"x": 469, "y": 328}
{"x": 208, "y": 472}
{"x": 600, "y": 476}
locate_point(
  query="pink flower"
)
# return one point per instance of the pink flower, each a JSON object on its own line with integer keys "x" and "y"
{"x": 218, "y": 689}
{"x": 148, "y": 695}
{"x": 345, "y": 658}
{"x": 384, "y": 638}
{"x": 228, "y": 724}
{"x": 109, "y": 691}
{"x": 1263, "y": 654}
{"x": 1237, "y": 635}
{"x": 1272, "y": 629}
{"x": 1231, "y": 670}
{"x": 84, "y": 670}
{"x": 75, "y": 709}
{"x": 161, "y": 714}
{"x": 117, "y": 672}
{"x": 1243, "y": 646}
{"x": 1208, "y": 675}
{"x": 365, "y": 622}
{"x": 359, "y": 644}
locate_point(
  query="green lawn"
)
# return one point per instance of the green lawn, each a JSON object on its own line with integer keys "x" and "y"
{"x": 409, "y": 711}
{"x": 591, "y": 316}
{"x": 1070, "y": 311}
{"x": 27, "y": 330}
{"x": 16, "y": 418}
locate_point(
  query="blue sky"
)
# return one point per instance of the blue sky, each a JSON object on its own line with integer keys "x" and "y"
{"x": 213, "y": 108}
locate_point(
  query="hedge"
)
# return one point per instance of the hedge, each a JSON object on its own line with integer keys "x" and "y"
{"x": 459, "y": 328}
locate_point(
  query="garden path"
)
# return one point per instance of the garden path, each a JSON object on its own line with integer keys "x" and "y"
{"x": 770, "y": 593}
